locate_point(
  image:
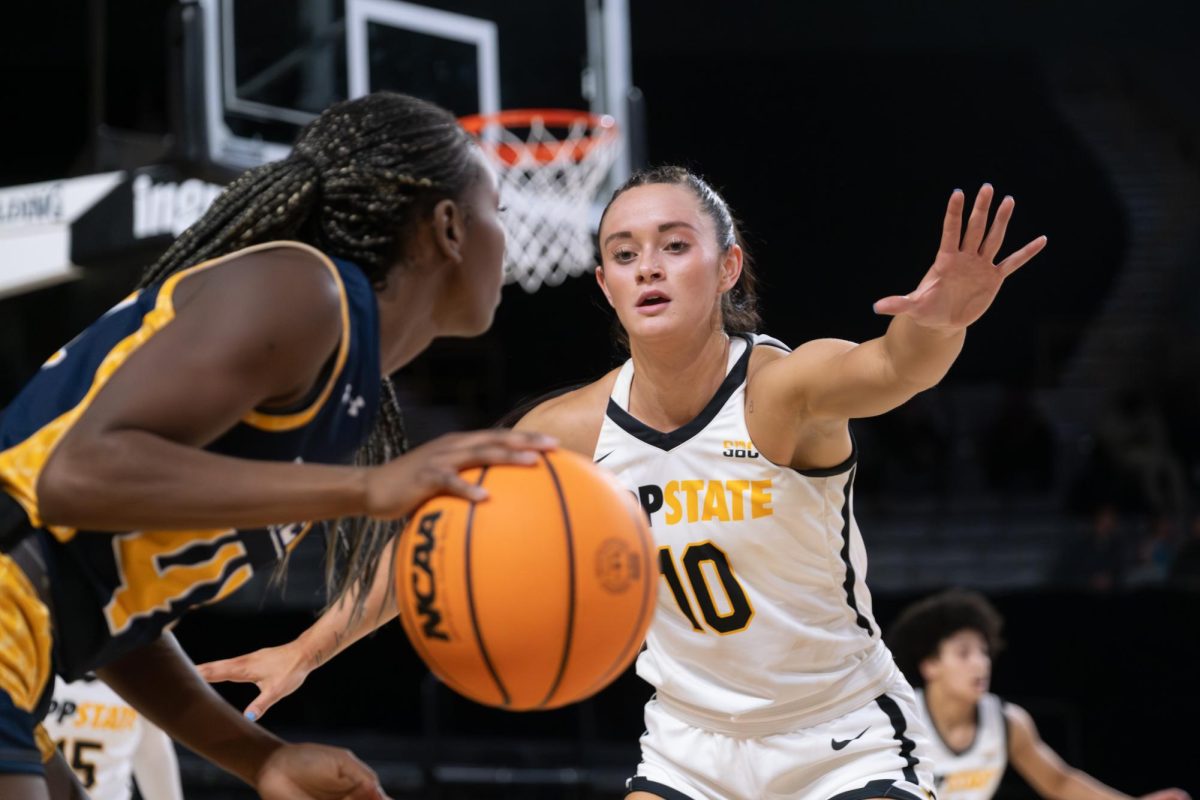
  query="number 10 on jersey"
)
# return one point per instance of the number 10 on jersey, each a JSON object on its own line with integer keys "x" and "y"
{"x": 704, "y": 564}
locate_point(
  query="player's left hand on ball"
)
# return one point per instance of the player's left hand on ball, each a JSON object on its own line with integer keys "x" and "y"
{"x": 964, "y": 279}
{"x": 1167, "y": 794}
{"x": 317, "y": 772}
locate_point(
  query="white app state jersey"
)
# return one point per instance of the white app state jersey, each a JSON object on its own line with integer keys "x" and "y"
{"x": 973, "y": 773}
{"x": 100, "y": 736}
{"x": 763, "y": 622}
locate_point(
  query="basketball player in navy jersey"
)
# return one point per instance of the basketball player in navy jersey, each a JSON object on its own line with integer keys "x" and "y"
{"x": 771, "y": 678}
{"x": 944, "y": 644}
{"x": 183, "y": 441}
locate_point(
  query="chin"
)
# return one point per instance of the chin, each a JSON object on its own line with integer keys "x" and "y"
{"x": 976, "y": 693}
{"x": 649, "y": 330}
{"x": 480, "y": 327}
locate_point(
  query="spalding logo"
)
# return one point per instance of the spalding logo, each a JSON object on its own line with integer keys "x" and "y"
{"x": 617, "y": 565}
{"x": 421, "y": 561}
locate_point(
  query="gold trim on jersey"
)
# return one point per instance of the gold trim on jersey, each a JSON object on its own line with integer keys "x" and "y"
{"x": 146, "y": 585}
{"x": 265, "y": 420}
{"x": 22, "y": 465}
{"x": 25, "y": 638}
{"x": 45, "y": 744}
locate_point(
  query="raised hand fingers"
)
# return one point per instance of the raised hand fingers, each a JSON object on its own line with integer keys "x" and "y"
{"x": 1018, "y": 259}
{"x": 952, "y": 223}
{"x": 995, "y": 234}
{"x": 977, "y": 223}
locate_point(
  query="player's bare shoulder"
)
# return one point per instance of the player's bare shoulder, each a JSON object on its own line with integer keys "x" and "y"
{"x": 574, "y": 417}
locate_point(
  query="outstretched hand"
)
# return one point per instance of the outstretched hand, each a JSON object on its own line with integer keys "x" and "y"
{"x": 276, "y": 671}
{"x": 964, "y": 278}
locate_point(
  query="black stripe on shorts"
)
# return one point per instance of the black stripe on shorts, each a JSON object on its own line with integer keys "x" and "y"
{"x": 641, "y": 784}
{"x": 880, "y": 788}
{"x": 899, "y": 726}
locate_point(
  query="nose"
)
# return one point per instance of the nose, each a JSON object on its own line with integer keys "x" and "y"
{"x": 649, "y": 269}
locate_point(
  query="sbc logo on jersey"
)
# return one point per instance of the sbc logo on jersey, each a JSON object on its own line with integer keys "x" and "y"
{"x": 736, "y": 448}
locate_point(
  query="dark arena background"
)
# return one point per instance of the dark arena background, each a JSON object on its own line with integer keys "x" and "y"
{"x": 1056, "y": 468}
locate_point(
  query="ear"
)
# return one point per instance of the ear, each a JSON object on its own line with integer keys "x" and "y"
{"x": 449, "y": 230}
{"x": 603, "y": 285}
{"x": 731, "y": 268}
{"x": 930, "y": 669}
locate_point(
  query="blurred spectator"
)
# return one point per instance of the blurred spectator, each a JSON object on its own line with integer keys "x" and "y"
{"x": 1018, "y": 446}
{"x": 1185, "y": 568}
{"x": 1134, "y": 439}
{"x": 1181, "y": 399}
{"x": 916, "y": 439}
{"x": 1095, "y": 560}
{"x": 1154, "y": 552}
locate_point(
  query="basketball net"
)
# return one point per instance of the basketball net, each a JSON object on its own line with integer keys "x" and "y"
{"x": 550, "y": 163}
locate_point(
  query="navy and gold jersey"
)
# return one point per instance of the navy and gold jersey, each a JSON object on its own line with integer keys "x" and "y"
{"x": 115, "y": 591}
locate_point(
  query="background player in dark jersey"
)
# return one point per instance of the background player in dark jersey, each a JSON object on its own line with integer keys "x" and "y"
{"x": 152, "y": 464}
{"x": 944, "y": 644}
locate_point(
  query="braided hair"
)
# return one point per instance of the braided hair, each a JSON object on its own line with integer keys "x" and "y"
{"x": 359, "y": 176}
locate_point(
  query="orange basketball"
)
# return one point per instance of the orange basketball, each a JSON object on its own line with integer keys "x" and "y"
{"x": 538, "y": 596}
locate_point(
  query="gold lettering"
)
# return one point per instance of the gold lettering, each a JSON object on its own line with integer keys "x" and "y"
{"x": 714, "y": 503}
{"x": 692, "y": 488}
{"x": 760, "y": 499}
{"x": 737, "y": 492}
{"x": 670, "y": 495}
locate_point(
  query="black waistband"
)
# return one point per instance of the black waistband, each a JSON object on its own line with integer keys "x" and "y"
{"x": 19, "y": 541}
{"x": 14, "y": 524}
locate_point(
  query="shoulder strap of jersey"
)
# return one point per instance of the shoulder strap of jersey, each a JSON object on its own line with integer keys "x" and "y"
{"x": 770, "y": 341}
{"x": 620, "y": 390}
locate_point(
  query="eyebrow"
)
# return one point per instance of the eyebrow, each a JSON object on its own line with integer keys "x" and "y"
{"x": 666, "y": 226}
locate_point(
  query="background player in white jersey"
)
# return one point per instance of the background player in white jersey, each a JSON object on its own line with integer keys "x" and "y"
{"x": 771, "y": 677}
{"x": 109, "y": 745}
{"x": 945, "y": 644}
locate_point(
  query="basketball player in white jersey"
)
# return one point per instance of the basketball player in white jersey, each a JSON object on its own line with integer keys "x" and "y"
{"x": 771, "y": 678}
{"x": 109, "y": 745}
{"x": 945, "y": 644}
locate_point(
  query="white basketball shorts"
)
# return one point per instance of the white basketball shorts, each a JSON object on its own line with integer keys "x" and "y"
{"x": 873, "y": 751}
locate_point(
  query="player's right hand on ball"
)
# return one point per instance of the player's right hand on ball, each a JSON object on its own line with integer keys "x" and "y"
{"x": 397, "y": 488}
{"x": 316, "y": 772}
{"x": 276, "y": 671}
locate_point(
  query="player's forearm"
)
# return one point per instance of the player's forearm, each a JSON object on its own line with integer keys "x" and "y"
{"x": 1078, "y": 785}
{"x": 159, "y": 681}
{"x": 881, "y": 374}
{"x": 920, "y": 357}
{"x": 133, "y": 480}
{"x": 340, "y": 626}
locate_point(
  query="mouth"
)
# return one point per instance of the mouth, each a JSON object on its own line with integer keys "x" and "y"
{"x": 652, "y": 301}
